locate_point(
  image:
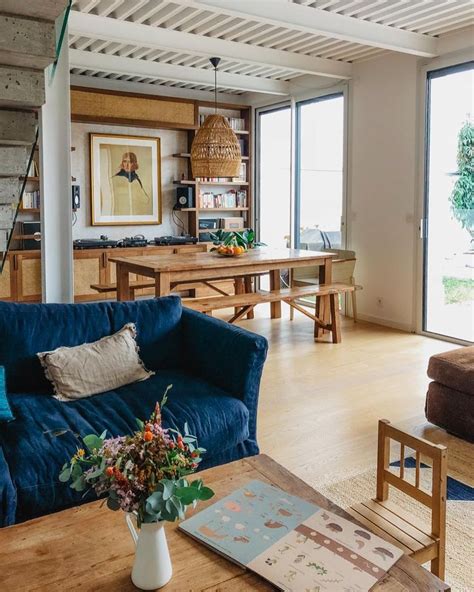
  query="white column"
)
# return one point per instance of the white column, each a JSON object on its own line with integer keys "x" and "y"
{"x": 56, "y": 210}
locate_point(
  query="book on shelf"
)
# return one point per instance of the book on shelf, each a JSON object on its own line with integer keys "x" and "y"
{"x": 33, "y": 171}
{"x": 242, "y": 173}
{"x": 292, "y": 543}
{"x": 236, "y": 123}
{"x": 31, "y": 200}
{"x": 229, "y": 199}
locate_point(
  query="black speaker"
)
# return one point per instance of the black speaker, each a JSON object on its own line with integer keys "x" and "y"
{"x": 31, "y": 229}
{"x": 76, "y": 197}
{"x": 184, "y": 198}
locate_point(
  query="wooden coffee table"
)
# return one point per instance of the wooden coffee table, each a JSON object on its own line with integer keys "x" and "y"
{"x": 89, "y": 548}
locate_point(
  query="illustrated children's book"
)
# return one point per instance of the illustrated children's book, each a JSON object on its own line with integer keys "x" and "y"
{"x": 296, "y": 545}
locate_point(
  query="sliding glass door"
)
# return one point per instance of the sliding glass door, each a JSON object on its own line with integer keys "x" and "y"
{"x": 448, "y": 307}
{"x": 319, "y": 172}
{"x": 274, "y": 176}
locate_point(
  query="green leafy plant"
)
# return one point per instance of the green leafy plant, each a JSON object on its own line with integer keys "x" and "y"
{"x": 144, "y": 473}
{"x": 462, "y": 196}
{"x": 232, "y": 238}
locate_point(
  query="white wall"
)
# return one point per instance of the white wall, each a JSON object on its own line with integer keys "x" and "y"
{"x": 382, "y": 186}
{"x": 171, "y": 169}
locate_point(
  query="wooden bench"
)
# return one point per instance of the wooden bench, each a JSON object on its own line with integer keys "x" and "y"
{"x": 135, "y": 285}
{"x": 241, "y": 284}
{"x": 244, "y": 303}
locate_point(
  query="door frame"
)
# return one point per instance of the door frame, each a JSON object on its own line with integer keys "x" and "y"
{"x": 450, "y": 62}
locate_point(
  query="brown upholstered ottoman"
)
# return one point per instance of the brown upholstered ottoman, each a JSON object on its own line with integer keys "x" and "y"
{"x": 450, "y": 398}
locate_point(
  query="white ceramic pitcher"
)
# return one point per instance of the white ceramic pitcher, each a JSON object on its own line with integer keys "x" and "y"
{"x": 152, "y": 566}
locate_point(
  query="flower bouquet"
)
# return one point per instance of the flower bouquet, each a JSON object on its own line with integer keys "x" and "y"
{"x": 144, "y": 474}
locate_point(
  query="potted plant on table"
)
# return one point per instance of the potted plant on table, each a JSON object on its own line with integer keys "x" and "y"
{"x": 144, "y": 474}
{"x": 234, "y": 242}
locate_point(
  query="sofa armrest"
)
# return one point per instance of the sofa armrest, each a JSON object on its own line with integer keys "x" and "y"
{"x": 225, "y": 355}
{"x": 8, "y": 497}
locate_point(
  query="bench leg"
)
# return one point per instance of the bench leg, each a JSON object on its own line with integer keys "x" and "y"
{"x": 275, "y": 284}
{"x": 248, "y": 289}
{"x": 335, "y": 318}
{"x": 354, "y": 306}
{"x": 241, "y": 313}
{"x": 292, "y": 310}
{"x": 238, "y": 289}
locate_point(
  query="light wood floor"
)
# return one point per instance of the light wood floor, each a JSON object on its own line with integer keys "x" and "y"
{"x": 319, "y": 402}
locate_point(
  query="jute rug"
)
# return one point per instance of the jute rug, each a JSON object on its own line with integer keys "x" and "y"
{"x": 460, "y": 514}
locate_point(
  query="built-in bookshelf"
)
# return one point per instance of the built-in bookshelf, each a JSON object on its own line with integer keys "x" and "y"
{"x": 223, "y": 198}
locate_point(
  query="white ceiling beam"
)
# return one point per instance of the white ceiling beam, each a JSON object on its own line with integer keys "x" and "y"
{"x": 150, "y": 89}
{"x": 96, "y": 27}
{"x": 149, "y": 69}
{"x": 323, "y": 22}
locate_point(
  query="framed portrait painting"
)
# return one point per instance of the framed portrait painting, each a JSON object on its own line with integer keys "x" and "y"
{"x": 125, "y": 180}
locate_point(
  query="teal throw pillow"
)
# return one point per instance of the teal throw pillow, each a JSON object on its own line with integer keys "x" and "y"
{"x": 5, "y": 411}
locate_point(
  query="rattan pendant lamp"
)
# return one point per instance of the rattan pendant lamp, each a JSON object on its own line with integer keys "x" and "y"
{"x": 215, "y": 151}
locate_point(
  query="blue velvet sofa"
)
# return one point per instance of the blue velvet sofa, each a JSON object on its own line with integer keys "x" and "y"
{"x": 215, "y": 370}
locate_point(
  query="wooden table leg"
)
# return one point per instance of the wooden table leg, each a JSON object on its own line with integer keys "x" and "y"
{"x": 323, "y": 310}
{"x": 123, "y": 284}
{"x": 275, "y": 307}
{"x": 248, "y": 290}
{"x": 162, "y": 284}
{"x": 239, "y": 288}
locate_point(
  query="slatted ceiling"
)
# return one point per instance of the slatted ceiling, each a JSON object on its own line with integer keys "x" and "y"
{"x": 430, "y": 17}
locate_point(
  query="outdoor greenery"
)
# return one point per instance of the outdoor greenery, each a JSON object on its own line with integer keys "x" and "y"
{"x": 457, "y": 290}
{"x": 462, "y": 197}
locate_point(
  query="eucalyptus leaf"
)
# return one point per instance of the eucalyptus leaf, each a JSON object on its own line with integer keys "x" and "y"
{"x": 65, "y": 475}
{"x": 93, "y": 442}
{"x": 205, "y": 493}
{"x": 113, "y": 504}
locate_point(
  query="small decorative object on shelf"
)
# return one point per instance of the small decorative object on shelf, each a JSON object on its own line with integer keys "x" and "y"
{"x": 144, "y": 475}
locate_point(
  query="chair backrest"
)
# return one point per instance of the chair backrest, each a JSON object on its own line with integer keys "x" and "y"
{"x": 342, "y": 267}
{"x": 436, "y": 498}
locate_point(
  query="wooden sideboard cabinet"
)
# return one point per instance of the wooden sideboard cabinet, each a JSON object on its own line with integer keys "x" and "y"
{"x": 21, "y": 277}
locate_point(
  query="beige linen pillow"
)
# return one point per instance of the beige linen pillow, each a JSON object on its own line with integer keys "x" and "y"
{"x": 91, "y": 368}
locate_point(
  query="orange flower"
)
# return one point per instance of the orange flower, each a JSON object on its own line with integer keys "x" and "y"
{"x": 148, "y": 436}
{"x": 109, "y": 471}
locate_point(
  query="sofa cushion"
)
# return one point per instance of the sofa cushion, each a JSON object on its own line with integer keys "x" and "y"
{"x": 42, "y": 437}
{"x": 26, "y": 329}
{"x": 451, "y": 410}
{"x": 454, "y": 369}
{"x": 91, "y": 368}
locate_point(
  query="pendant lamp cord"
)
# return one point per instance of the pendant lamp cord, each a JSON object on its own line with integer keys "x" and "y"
{"x": 215, "y": 63}
{"x": 215, "y": 90}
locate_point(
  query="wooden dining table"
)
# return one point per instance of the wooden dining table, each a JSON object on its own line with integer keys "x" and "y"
{"x": 168, "y": 270}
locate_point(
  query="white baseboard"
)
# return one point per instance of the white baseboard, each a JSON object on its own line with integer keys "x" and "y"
{"x": 386, "y": 323}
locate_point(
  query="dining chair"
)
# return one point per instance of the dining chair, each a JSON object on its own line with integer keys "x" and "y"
{"x": 397, "y": 526}
{"x": 343, "y": 266}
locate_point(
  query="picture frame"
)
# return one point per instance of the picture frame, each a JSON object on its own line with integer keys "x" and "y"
{"x": 125, "y": 180}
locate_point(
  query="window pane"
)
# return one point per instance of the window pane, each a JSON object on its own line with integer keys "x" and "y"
{"x": 449, "y": 255}
{"x": 274, "y": 187}
{"x": 320, "y": 182}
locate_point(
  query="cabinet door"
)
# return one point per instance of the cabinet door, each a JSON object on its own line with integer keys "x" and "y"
{"x": 89, "y": 268}
{"x": 29, "y": 277}
{"x": 6, "y": 292}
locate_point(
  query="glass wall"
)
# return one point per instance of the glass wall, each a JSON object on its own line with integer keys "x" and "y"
{"x": 274, "y": 176}
{"x": 319, "y": 172}
{"x": 449, "y": 210}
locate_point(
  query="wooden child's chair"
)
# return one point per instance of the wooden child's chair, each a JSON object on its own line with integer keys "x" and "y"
{"x": 396, "y": 526}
